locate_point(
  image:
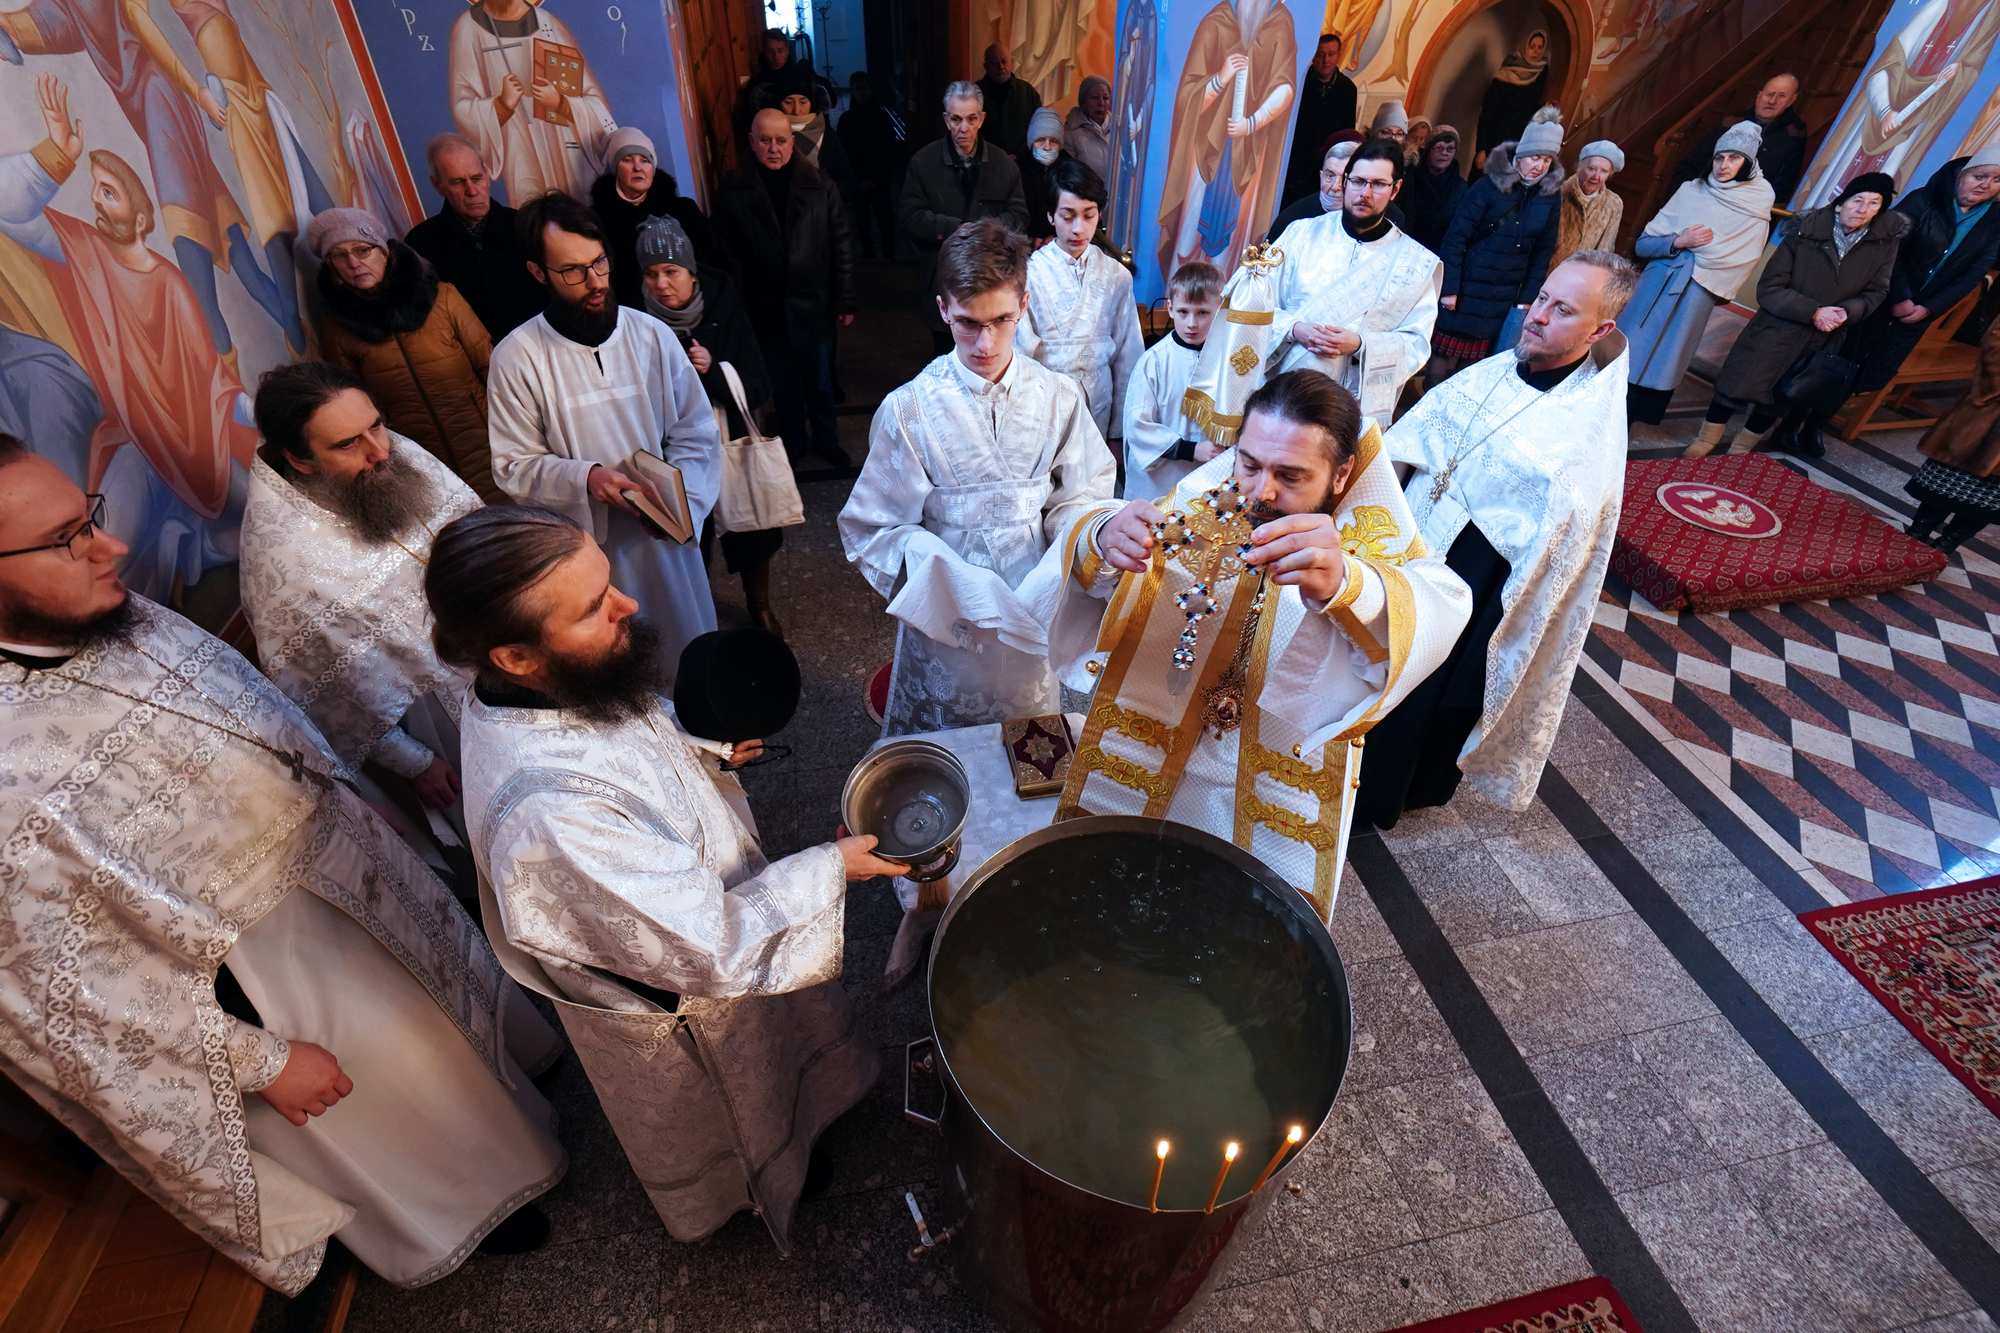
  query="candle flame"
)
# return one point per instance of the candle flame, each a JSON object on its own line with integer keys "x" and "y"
{"x": 1230, "y": 1152}
{"x": 1164, "y": 1148}
{"x": 1298, "y": 1132}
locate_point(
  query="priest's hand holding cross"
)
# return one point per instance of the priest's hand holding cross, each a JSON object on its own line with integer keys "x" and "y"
{"x": 1302, "y": 549}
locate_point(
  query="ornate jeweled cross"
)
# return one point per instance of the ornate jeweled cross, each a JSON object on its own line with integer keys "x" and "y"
{"x": 1211, "y": 538}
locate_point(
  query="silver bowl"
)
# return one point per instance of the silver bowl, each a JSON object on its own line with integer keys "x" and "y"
{"x": 912, "y": 795}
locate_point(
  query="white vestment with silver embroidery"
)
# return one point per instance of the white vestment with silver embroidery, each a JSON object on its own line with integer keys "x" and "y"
{"x": 1082, "y": 322}
{"x": 965, "y": 486}
{"x": 1542, "y": 475}
{"x": 623, "y": 874}
{"x": 341, "y": 623}
{"x": 141, "y": 845}
{"x": 1384, "y": 291}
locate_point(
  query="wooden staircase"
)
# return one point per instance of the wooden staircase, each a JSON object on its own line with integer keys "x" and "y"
{"x": 1730, "y": 48}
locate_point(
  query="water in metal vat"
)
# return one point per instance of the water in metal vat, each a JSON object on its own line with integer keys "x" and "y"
{"x": 915, "y": 814}
{"x": 1099, "y": 999}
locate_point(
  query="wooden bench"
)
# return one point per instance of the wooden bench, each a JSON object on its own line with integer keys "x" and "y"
{"x": 1936, "y": 359}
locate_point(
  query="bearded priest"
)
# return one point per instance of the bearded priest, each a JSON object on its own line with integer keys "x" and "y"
{"x": 1356, "y": 297}
{"x": 336, "y": 532}
{"x": 1516, "y": 470}
{"x": 1262, "y": 618}
{"x": 218, "y": 967}
{"x": 621, "y": 877}
{"x": 973, "y": 467}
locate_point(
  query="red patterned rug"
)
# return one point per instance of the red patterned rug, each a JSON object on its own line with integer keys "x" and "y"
{"x": 1933, "y": 960}
{"x": 1820, "y": 545}
{"x": 1589, "y": 1306}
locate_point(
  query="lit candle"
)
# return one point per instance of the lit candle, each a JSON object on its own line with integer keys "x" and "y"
{"x": 1291, "y": 1141}
{"x": 1159, "y": 1169}
{"x": 1228, "y": 1160}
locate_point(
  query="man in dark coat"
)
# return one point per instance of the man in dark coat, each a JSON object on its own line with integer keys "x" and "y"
{"x": 471, "y": 241}
{"x": 1432, "y": 190}
{"x": 1954, "y": 238}
{"x": 1327, "y": 100}
{"x": 873, "y": 136}
{"x": 1009, "y": 103}
{"x": 632, "y": 191}
{"x": 795, "y": 257}
{"x": 956, "y": 180}
{"x": 1782, "y": 156}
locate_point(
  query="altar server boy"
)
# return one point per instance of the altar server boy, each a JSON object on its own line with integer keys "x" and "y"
{"x": 1081, "y": 320}
{"x": 1158, "y": 450}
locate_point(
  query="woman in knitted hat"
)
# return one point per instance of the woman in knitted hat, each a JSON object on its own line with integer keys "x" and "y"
{"x": 699, "y": 304}
{"x": 1497, "y": 250}
{"x": 1830, "y": 272}
{"x": 1699, "y": 249}
{"x": 1087, "y": 131}
{"x": 411, "y": 338}
{"x": 1591, "y": 210}
{"x": 631, "y": 190}
{"x": 1045, "y": 149}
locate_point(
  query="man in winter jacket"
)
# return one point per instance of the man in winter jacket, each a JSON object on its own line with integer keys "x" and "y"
{"x": 471, "y": 241}
{"x": 951, "y": 182}
{"x": 1782, "y": 155}
{"x": 795, "y": 257}
{"x": 1952, "y": 241}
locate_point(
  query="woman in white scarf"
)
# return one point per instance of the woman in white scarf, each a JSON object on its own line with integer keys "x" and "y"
{"x": 1700, "y": 248}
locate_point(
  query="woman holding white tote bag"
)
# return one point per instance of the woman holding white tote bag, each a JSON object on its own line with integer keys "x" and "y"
{"x": 699, "y": 304}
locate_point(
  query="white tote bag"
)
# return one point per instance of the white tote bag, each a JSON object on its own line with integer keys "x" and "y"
{"x": 757, "y": 487}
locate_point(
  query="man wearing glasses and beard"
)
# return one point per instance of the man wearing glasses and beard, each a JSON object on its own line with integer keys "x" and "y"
{"x": 972, "y": 467}
{"x": 574, "y": 393}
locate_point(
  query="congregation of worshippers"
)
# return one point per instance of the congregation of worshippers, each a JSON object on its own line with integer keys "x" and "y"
{"x": 286, "y": 916}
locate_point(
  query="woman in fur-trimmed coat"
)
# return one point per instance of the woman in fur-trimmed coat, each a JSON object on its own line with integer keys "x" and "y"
{"x": 422, "y": 352}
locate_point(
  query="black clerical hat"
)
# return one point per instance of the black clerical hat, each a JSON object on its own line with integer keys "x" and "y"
{"x": 736, "y": 685}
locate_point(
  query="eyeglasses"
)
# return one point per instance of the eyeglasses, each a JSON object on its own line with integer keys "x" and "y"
{"x": 84, "y": 532}
{"x": 352, "y": 254}
{"x": 970, "y": 329}
{"x": 1368, "y": 186}
{"x": 574, "y": 274}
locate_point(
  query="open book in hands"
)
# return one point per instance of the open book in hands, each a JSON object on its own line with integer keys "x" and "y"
{"x": 662, "y": 499}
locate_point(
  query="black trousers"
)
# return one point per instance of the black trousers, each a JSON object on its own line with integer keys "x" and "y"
{"x": 1411, "y": 759}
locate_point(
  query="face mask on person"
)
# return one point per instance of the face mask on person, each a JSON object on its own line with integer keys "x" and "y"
{"x": 1047, "y": 156}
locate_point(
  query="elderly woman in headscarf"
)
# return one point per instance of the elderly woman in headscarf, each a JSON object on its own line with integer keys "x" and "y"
{"x": 412, "y": 339}
{"x": 1045, "y": 149}
{"x": 1519, "y": 89}
{"x": 1829, "y": 273}
{"x": 1591, "y": 210}
{"x": 699, "y": 304}
{"x": 1087, "y": 132}
{"x": 1699, "y": 249}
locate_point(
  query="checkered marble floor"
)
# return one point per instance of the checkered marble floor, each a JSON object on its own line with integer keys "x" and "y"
{"x": 1863, "y": 735}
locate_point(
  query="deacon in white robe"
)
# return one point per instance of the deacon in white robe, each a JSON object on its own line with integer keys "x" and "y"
{"x": 1159, "y": 439}
{"x": 1356, "y": 297}
{"x": 621, "y": 877}
{"x": 339, "y": 614}
{"x": 1516, "y": 470}
{"x": 169, "y": 812}
{"x": 1081, "y": 321}
{"x": 1235, "y": 704}
{"x": 556, "y": 408}
{"x": 973, "y": 468}
{"x": 531, "y": 134}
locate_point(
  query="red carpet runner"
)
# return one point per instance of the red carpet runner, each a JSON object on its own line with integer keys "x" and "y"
{"x": 1827, "y": 546}
{"x": 1589, "y": 1306}
{"x": 1933, "y": 960}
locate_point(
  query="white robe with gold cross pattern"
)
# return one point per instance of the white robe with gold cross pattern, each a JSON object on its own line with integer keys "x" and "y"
{"x": 1317, "y": 677}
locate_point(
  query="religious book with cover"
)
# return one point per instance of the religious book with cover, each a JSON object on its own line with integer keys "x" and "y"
{"x": 562, "y": 66}
{"x": 1038, "y": 754}
{"x": 663, "y": 501}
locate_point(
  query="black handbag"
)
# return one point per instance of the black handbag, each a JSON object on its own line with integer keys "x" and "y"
{"x": 1818, "y": 381}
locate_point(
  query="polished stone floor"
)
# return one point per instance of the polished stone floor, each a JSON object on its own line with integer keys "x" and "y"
{"x": 1591, "y": 1037}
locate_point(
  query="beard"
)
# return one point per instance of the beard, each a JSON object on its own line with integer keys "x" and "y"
{"x": 619, "y": 686}
{"x": 579, "y": 323}
{"x": 1261, "y": 513}
{"x": 118, "y": 233}
{"x": 382, "y": 503}
{"x": 24, "y": 624}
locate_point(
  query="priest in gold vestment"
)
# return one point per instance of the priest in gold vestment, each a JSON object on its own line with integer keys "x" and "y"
{"x": 1261, "y": 619}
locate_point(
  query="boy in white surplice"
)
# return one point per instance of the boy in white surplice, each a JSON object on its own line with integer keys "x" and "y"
{"x": 1080, "y": 318}
{"x": 1161, "y": 444}
{"x": 972, "y": 469}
